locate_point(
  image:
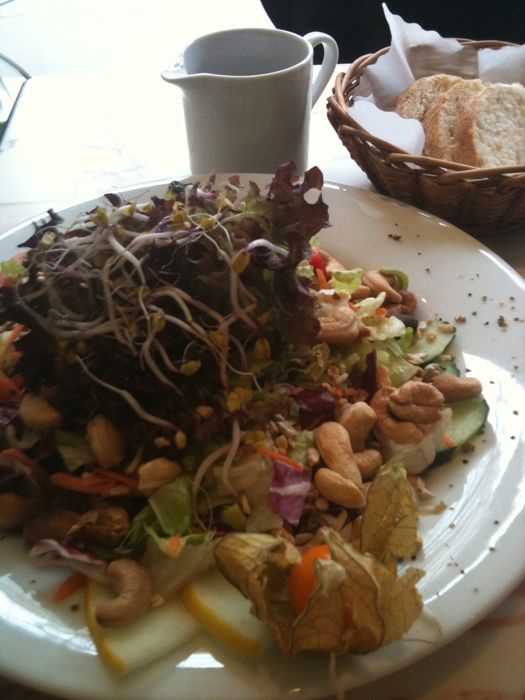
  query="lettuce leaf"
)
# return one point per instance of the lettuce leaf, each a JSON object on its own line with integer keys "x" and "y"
{"x": 11, "y": 271}
{"x": 168, "y": 512}
{"x": 347, "y": 280}
{"x": 172, "y": 506}
{"x": 135, "y": 540}
{"x": 74, "y": 449}
{"x": 172, "y": 568}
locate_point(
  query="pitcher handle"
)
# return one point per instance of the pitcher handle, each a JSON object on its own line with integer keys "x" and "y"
{"x": 330, "y": 58}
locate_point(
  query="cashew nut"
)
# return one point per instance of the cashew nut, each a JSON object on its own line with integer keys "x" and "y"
{"x": 156, "y": 473}
{"x": 338, "y": 489}
{"x": 368, "y": 462}
{"x": 356, "y": 529}
{"x": 105, "y": 442}
{"x": 402, "y": 432}
{"x": 312, "y": 457}
{"x": 358, "y": 419}
{"x": 383, "y": 378}
{"x": 131, "y": 582}
{"x": 51, "y": 525}
{"x": 16, "y": 510}
{"x": 379, "y": 283}
{"x": 406, "y": 307}
{"x": 362, "y": 292}
{"x": 340, "y": 327}
{"x": 428, "y": 373}
{"x": 333, "y": 443}
{"x": 456, "y": 388}
{"x": 36, "y": 413}
{"x": 103, "y": 526}
{"x": 417, "y": 402}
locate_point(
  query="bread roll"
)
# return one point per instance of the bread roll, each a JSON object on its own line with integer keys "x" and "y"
{"x": 490, "y": 130}
{"x": 415, "y": 100}
{"x": 439, "y": 122}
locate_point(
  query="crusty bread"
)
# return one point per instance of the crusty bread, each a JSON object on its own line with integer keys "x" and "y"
{"x": 440, "y": 118}
{"x": 415, "y": 100}
{"x": 490, "y": 130}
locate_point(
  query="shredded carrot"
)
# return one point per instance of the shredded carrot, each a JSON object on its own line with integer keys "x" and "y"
{"x": 99, "y": 482}
{"x": 13, "y": 453}
{"x": 448, "y": 441}
{"x": 278, "y": 457}
{"x": 71, "y": 585}
{"x": 323, "y": 282}
{"x": 354, "y": 394}
{"x": 336, "y": 391}
{"x": 118, "y": 477}
{"x": 87, "y": 484}
{"x": 174, "y": 545}
{"x": 14, "y": 335}
{"x": 381, "y": 312}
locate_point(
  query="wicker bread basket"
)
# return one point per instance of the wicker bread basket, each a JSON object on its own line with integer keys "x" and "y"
{"x": 482, "y": 201}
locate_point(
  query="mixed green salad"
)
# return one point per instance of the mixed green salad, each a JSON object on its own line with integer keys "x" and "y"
{"x": 191, "y": 382}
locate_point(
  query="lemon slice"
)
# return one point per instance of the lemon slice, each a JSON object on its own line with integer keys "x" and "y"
{"x": 158, "y": 631}
{"x": 225, "y": 613}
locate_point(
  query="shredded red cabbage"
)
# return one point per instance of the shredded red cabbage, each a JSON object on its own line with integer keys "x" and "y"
{"x": 288, "y": 491}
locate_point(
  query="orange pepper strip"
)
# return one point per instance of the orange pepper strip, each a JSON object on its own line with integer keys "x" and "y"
{"x": 71, "y": 585}
{"x": 13, "y": 453}
{"x": 278, "y": 457}
{"x": 15, "y": 334}
{"x": 323, "y": 282}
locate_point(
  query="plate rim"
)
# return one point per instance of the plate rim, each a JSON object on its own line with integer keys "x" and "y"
{"x": 510, "y": 272}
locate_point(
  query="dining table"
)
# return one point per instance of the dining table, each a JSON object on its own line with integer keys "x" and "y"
{"x": 77, "y": 133}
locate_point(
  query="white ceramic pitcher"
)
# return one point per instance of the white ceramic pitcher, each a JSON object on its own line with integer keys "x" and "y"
{"x": 247, "y": 96}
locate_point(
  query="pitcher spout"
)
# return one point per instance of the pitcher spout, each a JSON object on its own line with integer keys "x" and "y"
{"x": 176, "y": 74}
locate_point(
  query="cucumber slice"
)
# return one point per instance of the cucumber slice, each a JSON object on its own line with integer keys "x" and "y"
{"x": 468, "y": 418}
{"x": 451, "y": 368}
{"x": 433, "y": 342}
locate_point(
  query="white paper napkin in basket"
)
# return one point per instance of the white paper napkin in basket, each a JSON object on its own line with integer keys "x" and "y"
{"x": 415, "y": 52}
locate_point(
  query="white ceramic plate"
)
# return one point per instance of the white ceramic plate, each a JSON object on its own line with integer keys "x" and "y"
{"x": 473, "y": 551}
